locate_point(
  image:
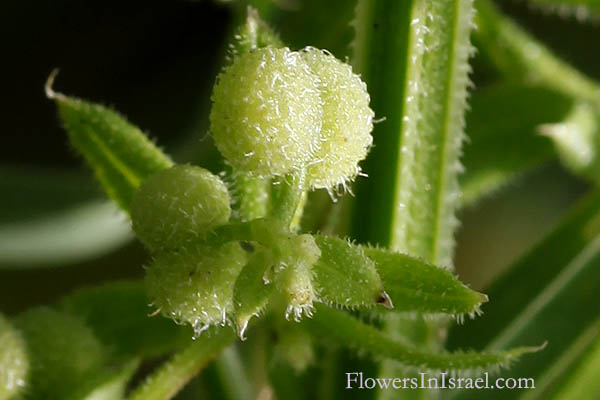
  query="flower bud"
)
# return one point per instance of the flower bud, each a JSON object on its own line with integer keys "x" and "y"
{"x": 177, "y": 205}
{"x": 266, "y": 114}
{"x": 347, "y": 121}
{"x": 194, "y": 285}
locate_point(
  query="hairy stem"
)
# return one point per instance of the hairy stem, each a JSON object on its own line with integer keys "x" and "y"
{"x": 287, "y": 200}
{"x": 414, "y": 57}
{"x": 233, "y": 376}
{"x": 166, "y": 382}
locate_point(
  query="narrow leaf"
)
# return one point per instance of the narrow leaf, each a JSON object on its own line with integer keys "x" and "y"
{"x": 577, "y": 140}
{"x": 118, "y": 314}
{"x": 110, "y": 385}
{"x": 251, "y": 291}
{"x": 413, "y": 55}
{"x": 345, "y": 276}
{"x": 582, "y": 382}
{"x": 520, "y": 57}
{"x": 583, "y": 10}
{"x": 230, "y": 368}
{"x": 119, "y": 153}
{"x": 166, "y": 382}
{"x": 338, "y": 327}
{"x": 554, "y": 379}
{"x": 507, "y": 117}
{"x": 416, "y": 286}
{"x": 34, "y": 192}
{"x": 55, "y": 218}
{"x": 64, "y": 238}
{"x": 558, "y": 277}
{"x": 63, "y": 353}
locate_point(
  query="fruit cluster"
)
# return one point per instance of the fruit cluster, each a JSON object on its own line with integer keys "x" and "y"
{"x": 276, "y": 113}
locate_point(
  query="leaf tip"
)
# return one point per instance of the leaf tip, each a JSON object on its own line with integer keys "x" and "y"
{"x": 242, "y": 326}
{"x": 50, "y": 93}
{"x": 483, "y": 298}
{"x": 385, "y": 300}
{"x": 535, "y": 349}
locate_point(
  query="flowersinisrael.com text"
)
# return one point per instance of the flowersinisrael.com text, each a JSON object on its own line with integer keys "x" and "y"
{"x": 356, "y": 380}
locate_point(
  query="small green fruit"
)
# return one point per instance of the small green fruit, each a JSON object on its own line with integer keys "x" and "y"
{"x": 13, "y": 360}
{"x": 194, "y": 285}
{"x": 178, "y": 205}
{"x": 266, "y": 114}
{"x": 347, "y": 121}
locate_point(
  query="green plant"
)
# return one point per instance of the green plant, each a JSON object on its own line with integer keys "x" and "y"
{"x": 245, "y": 252}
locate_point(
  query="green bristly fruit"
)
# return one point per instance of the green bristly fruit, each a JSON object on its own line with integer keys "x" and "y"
{"x": 347, "y": 121}
{"x": 266, "y": 114}
{"x": 194, "y": 285}
{"x": 178, "y": 205}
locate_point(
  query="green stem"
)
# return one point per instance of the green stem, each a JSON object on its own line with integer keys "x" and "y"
{"x": 252, "y": 193}
{"x": 251, "y": 196}
{"x": 233, "y": 377}
{"x": 339, "y": 327}
{"x": 287, "y": 199}
{"x": 165, "y": 383}
{"x": 413, "y": 55}
{"x": 417, "y": 77}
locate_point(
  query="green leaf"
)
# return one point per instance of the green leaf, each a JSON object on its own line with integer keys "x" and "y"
{"x": 577, "y": 140}
{"x": 507, "y": 117}
{"x": 119, "y": 153}
{"x": 63, "y": 353}
{"x": 416, "y": 286}
{"x": 583, "y": 10}
{"x": 518, "y": 56}
{"x": 413, "y": 56}
{"x": 35, "y": 192}
{"x": 582, "y": 382}
{"x": 165, "y": 383}
{"x": 62, "y": 238}
{"x": 401, "y": 49}
{"x": 55, "y": 218}
{"x": 110, "y": 385}
{"x": 549, "y": 294}
{"x": 338, "y": 327}
{"x": 231, "y": 370}
{"x": 118, "y": 314}
{"x": 345, "y": 276}
{"x": 251, "y": 292}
